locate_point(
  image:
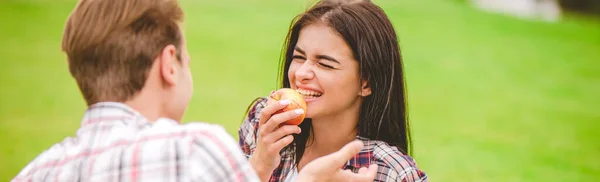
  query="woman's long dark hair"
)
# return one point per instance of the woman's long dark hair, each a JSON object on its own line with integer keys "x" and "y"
{"x": 369, "y": 33}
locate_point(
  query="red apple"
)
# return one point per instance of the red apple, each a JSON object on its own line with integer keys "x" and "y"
{"x": 296, "y": 102}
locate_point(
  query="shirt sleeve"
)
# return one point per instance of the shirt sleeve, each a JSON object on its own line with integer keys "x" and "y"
{"x": 406, "y": 170}
{"x": 249, "y": 128}
{"x": 412, "y": 175}
{"x": 215, "y": 156}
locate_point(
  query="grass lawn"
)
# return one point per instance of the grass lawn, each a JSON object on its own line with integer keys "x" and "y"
{"x": 492, "y": 98}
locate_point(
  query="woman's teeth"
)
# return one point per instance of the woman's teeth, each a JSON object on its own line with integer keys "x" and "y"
{"x": 309, "y": 94}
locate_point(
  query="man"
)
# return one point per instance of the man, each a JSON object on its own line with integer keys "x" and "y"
{"x": 131, "y": 65}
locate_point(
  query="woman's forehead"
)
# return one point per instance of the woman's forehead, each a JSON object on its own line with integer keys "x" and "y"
{"x": 322, "y": 39}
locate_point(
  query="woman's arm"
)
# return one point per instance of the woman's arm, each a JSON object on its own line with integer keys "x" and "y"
{"x": 249, "y": 128}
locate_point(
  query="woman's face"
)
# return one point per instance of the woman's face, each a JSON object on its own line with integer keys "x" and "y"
{"x": 325, "y": 72}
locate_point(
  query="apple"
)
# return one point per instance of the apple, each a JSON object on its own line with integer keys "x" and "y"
{"x": 296, "y": 102}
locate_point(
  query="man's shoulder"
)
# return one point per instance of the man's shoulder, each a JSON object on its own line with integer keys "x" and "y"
{"x": 49, "y": 158}
{"x": 165, "y": 144}
{"x": 188, "y": 134}
{"x": 177, "y": 130}
{"x": 199, "y": 130}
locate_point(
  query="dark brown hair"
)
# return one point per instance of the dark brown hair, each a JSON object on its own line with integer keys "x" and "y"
{"x": 112, "y": 44}
{"x": 369, "y": 33}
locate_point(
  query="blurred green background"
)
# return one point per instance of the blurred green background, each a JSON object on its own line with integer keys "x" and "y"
{"x": 491, "y": 97}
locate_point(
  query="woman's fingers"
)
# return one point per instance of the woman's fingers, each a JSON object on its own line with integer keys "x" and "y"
{"x": 278, "y": 119}
{"x": 280, "y": 144}
{"x": 272, "y": 108}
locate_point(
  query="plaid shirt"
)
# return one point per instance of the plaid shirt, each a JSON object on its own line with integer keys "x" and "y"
{"x": 393, "y": 165}
{"x": 116, "y": 143}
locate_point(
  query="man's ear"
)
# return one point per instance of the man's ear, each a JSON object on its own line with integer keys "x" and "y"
{"x": 167, "y": 60}
{"x": 365, "y": 89}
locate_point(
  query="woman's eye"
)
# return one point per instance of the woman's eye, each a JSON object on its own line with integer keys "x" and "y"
{"x": 298, "y": 58}
{"x": 326, "y": 65}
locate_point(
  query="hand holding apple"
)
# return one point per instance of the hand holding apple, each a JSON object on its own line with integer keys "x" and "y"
{"x": 296, "y": 102}
{"x": 273, "y": 132}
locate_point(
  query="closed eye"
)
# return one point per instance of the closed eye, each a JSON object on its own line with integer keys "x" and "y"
{"x": 326, "y": 65}
{"x": 298, "y": 57}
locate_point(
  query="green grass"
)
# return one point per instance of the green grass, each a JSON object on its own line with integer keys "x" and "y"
{"x": 492, "y": 98}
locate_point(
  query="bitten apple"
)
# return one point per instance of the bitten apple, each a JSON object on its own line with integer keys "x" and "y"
{"x": 296, "y": 102}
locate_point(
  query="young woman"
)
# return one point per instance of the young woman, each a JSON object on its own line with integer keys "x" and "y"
{"x": 344, "y": 58}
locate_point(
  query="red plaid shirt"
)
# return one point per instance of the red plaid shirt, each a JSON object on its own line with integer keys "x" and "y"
{"x": 393, "y": 165}
{"x": 116, "y": 143}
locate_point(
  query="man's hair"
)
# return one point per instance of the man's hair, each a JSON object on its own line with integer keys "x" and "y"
{"x": 112, "y": 44}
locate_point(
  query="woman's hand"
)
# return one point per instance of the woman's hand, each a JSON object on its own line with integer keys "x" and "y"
{"x": 272, "y": 137}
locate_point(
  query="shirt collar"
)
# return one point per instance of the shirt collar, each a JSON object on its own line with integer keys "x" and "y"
{"x": 112, "y": 111}
{"x": 364, "y": 158}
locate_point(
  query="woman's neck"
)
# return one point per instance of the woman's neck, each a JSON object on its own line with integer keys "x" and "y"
{"x": 329, "y": 135}
{"x": 332, "y": 133}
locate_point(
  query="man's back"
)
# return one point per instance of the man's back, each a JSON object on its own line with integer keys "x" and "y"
{"x": 115, "y": 143}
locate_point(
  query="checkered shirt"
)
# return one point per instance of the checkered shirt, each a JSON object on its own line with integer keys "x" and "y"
{"x": 393, "y": 164}
{"x": 116, "y": 143}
